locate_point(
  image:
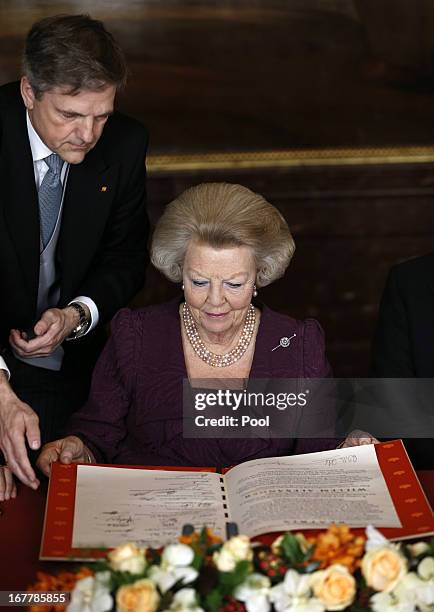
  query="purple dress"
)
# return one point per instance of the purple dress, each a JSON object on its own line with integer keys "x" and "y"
{"x": 134, "y": 411}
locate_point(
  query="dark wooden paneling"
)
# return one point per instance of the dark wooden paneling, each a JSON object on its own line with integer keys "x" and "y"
{"x": 262, "y": 74}
{"x": 233, "y": 75}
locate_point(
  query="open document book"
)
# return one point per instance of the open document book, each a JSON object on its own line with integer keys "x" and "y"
{"x": 94, "y": 507}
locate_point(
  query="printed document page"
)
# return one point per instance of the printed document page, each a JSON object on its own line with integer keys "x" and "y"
{"x": 149, "y": 507}
{"x": 310, "y": 491}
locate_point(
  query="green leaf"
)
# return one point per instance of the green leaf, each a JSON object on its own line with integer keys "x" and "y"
{"x": 307, "y": 555}
{"x": 165, "y": 601}
{"x": 230, "y": 580}
{"x": 118, "y": 579}
{"x": 197, "y": 560}
{"x": 203, "y": 537}
{"x": 101, "y": 566}
{"x": 213, "y": 548}
{"x": 213, "y": 600}
{"x": 291, "y": 549}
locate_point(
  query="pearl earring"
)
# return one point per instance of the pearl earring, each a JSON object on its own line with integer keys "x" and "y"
{"x": 255, "y": 293}
{"x": 182, "y": 286}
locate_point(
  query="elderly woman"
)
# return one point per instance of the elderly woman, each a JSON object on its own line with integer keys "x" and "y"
{"x": 221, "y": 243}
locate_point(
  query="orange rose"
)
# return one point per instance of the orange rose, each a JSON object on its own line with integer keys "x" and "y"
{"x": 335, "y": 587}
{"x": 141, "y": 596}
{"x": 383, "y": 568}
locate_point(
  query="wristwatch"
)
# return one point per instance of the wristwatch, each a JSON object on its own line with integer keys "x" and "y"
{"x": 83, "y": 323}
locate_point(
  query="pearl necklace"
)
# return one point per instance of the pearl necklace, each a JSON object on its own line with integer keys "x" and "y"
{"x": 212, "y": 359}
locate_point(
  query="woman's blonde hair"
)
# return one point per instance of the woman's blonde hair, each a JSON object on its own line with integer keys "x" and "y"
{"x": 222, "y": 215}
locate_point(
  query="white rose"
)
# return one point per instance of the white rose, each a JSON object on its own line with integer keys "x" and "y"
{"x": 383, "y": 568}
{"x": 224, "y": 561}
{"x": 234, "y": 550}
{"x": 240, "y": 548}
{"x": 420, "y": 548}
{"x": 178, "y": 555}
{"x": 127, "y": 558}
{"x": 425, "y": 569}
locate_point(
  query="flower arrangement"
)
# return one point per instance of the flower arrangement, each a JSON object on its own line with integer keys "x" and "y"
{"x": 335, "y": 570}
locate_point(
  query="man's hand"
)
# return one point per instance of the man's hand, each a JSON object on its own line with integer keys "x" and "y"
{"x": 8, "y": 489}
{"x": 68, "y": 450}
{"x": 51, "y": 330}
{"x": 357, "y": 437}
{"x": 18, "y": 422}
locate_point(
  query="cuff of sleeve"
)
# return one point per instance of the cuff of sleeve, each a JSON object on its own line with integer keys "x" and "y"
{"x": 94, "y": 314}
{"x": 4, "y": 367}
{"x": 99, "y": 457}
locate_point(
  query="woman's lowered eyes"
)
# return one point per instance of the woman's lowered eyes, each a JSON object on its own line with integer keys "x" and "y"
{"x": 203, "y": 283}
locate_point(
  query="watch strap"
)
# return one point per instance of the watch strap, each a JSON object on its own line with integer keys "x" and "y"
{"x": 83, "y": 324}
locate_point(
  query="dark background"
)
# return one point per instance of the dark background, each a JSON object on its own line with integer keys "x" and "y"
{"x": 323, "y": 106}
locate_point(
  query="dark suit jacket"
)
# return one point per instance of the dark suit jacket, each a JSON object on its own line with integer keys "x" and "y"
{"x": 404, "y": 339}
{"x": 102, "y": 245}
{"x": 134, "y": 412}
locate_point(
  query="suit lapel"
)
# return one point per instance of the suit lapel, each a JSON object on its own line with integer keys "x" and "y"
{"x": 423, "y": 328}
{"x": 21, "y": 200}
{"x": 88, "y": 196}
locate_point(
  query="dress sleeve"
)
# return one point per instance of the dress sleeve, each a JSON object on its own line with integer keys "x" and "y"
{"x": 315, "y": 364}
{"x": 318, "y": 429}
{"x": 101, "y": 422}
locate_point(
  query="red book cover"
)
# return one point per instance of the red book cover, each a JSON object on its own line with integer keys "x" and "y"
{"x": 409, "y": 499}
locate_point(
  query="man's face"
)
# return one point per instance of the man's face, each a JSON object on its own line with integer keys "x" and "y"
{"x": 70, "y": 125}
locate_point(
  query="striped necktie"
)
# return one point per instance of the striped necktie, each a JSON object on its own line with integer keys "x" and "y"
{"x": 50, "y": 197}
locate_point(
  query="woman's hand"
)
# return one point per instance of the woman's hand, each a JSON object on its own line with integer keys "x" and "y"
{"x": 65, "y": 450}
{"x": 8, "y": 489}
{"x": 357, "y": 437}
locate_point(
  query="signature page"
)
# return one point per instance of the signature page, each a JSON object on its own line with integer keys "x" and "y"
{"x": 149, "y": 507}
{"x": 310, "y": 491}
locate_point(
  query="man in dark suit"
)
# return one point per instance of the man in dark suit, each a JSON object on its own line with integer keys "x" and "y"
{"x": 73, "y": 226}
{"x": 404, "y": 341}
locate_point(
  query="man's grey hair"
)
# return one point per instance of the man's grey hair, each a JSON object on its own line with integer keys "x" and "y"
{"x": 72, "y": 51}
